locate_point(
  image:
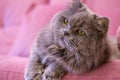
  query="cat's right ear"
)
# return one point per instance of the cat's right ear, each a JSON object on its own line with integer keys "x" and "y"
{"x": 103, "y": 25}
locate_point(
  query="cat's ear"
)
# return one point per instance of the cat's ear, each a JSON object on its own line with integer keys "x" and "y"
{"x": 103, "y": 25}
{"x": 76, "y": 4}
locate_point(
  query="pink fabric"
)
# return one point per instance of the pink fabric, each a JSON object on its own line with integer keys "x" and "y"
{"x": 2, "y": 8}
{"x": 14, "y": 11}
{"x": 12, "y": 68}
{"x": 5, "y": 49}
{"x": 12, "y": 31}
{"x": 7, "y": 37}
{"x": 62, "y": 2}
{"x": 90, "y": 4}
{"x": 38, "y": 2}
{"x": 118, "y": 37}
{"x": 34, "y": 22}
{"x": 5, "y": 42}
{"x": 59, "y": 2}
{"x": 111, "y": 9}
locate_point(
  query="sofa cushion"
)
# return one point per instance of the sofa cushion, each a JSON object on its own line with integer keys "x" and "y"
{"x": 2, "y": 8}
{"x": 34, "y": 22}
{"x": 14, "y": 11}
{"x": 59, "y": 2}
{"x": 38, "y": 2}
{"x": 7, "y": 37}
{"x": 118, "y": 37}
{"x": 12, "y": 68}
{"x": 64, "y": 2}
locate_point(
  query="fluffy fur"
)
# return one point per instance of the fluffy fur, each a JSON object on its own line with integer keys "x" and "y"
{"x": 75, "y": 41}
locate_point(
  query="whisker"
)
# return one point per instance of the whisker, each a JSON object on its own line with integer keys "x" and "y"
{"x": 71, "y": 45}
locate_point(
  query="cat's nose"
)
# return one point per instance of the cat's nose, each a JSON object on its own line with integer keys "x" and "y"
{"x": 66, "y": 32}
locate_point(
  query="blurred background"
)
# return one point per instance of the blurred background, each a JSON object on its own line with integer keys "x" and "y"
{"x": 21, "y": 20}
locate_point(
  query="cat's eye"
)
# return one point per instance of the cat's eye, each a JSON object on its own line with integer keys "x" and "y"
{"x": 65, "y": 21}
{"x": 81, "y": 32}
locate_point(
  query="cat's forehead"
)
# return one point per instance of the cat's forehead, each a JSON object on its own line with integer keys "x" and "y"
{"x": 66, "y": 13}
{"x": 76, "y": 14}
{"x": 73, "y": 15}
{"x": 81, "y": 15}
{"x": 63, "y": 13}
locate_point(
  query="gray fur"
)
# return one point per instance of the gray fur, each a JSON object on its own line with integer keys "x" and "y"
{"x": 54, "y": 52}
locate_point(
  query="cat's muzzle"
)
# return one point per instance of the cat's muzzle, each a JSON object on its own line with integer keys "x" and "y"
{"x": 66, "y": 32}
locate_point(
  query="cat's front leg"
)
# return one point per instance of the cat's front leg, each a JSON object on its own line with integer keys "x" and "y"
{"x": 34, "y": 69}
{"x": 53, "y": 72}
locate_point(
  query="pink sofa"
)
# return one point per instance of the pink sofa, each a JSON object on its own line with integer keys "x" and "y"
{"x": 21, "y": 20}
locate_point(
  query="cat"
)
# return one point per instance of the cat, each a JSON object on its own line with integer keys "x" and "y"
{"x": 74, "y": 42}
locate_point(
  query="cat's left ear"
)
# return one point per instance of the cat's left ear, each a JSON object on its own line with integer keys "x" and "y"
{"x": 76, "y": 4}
{"x": 104, "y": 25}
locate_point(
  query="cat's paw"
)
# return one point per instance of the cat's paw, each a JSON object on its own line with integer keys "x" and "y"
{"x": 51, "y": 77}
{"x": 33, "y": 76}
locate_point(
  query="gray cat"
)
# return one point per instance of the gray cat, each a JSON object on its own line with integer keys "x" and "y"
{"x": 74, "y": 42}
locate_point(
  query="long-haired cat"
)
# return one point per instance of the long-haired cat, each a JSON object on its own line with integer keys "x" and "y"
{"x": 75, "y": 42}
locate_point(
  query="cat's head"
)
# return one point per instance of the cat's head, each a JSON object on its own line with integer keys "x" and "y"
{"x": 81, "y": 32}
{"x": 77, "y": 19}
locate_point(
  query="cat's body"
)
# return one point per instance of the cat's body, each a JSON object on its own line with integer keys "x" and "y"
{"x": 75, "y": 42}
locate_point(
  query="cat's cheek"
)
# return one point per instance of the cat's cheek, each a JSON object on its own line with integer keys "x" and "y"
{"x": 61, "y": 33}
